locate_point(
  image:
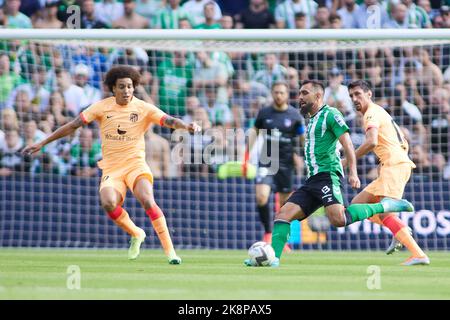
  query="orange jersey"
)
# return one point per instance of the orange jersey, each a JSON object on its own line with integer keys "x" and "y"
{"x": 392, "y": 146}
{"x": 122, "y": 129}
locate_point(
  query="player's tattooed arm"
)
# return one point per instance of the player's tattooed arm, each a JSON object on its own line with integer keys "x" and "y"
{"x": 175, "y": 123}
{"x": 59, "y": 133}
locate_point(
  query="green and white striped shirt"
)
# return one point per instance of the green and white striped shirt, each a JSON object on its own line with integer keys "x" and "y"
{"x": 168, "y": 18}
{"x": 322, "y": 135}
{"x": 417, "y": 17}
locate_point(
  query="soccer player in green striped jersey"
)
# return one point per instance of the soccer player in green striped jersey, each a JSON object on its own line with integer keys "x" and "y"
{"x": 323, "y": 186}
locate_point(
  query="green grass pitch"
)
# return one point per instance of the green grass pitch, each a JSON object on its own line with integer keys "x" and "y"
{"x": 218, "y": 274}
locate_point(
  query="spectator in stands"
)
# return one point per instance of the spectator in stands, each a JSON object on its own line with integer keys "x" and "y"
{"x": 3, "y": 19}
{"x": 31, "y": 133}
{"x": 37, "y": 90}
{"x": 74, "y": 97}
{"x": 294, "y": 86}
{"x": 409, "y": 87}
{"x": 286, "y": 10}
{"x": 438, "y": 22}
{"x": 25, "y": 108}
{"x": 9, "y": 120}
{"x": 85, "y": 154}
{"x": 364, "y": 15}
{"x": 31, "y": 7}
{"x": 157, "y": 151}
{"x": 131, "y": 19}
{"x": 425, "y": 170}
{"x": 81, "y": 78}
{"x": 8, "y": 80}
{"x": 227, "y": 22}
{"x": 196, "y": 9}
{"x": 417, "y": 16}
{"x": 445, "y": 14}
{"x": 15, "y": 18}
{"x": 335, "y": 21}
{"x": 96, "y": 59}
{"x": 148, "y": 8}
{"x": 438, "y": 161}
{"x": 322, "y": 18}
{"x": 57, "y": 107}
{"x": 248, "y": 97}
{"x": 169, "y": 16}
{"x": 192, "y": 103}
{"x": 11, "y": 160}
{"x": 64, "y": 13}
{"x": 148, "y": 89}
{"x": 399, "y": 17}
{"x": 426, "y": 5}
{"x": 48, "y": 17}
{"x": 273, "y": 71}
{"x": 430, "y": 75}
{"x": 219, "y": 150}
{"x": 437, "y": 119}
{"x": 108, "y": 11}
{"x": 381, "y": 87}
{"x": 348, "y": 14}
{"x": 209, "y": 17}
{"x": 209, "y": 71}
{"x": 89, "y": 17}
{"x": 446, "y": 171}
{"x": 256, "y": 16}
{"x": 196, "y": 145}
{"x": 174, "y": 77}
{"x": 219, "y": 113}
{"x": 184, "y": 23}
{"x": 300, "y": 20}
{"x": 336, "y": 94}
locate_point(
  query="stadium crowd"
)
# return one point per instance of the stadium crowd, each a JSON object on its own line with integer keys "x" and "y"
{"x": 43, "y": 86}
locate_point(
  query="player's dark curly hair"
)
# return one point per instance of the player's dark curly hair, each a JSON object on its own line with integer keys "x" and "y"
{"x": 121, "y": 72}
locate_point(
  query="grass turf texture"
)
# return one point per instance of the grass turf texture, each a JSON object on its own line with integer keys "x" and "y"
{"x": 218, "y": 274}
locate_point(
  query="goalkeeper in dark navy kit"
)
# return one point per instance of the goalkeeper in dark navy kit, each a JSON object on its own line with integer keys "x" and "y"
{"x": 281, "y": 127}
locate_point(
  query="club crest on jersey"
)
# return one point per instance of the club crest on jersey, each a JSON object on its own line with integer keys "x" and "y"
{"x": 133, "y": 117}
{"x": 287, "y": 122}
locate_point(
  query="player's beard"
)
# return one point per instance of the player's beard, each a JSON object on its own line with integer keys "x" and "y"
{"x": 306, "y": 109}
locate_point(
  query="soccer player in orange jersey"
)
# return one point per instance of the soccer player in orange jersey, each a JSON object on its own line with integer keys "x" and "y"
{"x": 386, "y": 140}
{"x": 123, "y": 121}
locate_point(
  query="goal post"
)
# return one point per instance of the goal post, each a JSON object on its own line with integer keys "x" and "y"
{"x": 220, "y": 78}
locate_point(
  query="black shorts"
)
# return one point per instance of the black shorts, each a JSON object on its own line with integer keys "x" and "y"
{"x": 282, "y": 181}
{"x": 322, "y": 189}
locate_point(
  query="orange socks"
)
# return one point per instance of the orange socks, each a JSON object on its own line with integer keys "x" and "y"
{"x": 122, "y": 219}
{"x": 160, "y": 225}
{"x": 408, "y": 241}
{"x": 400, "y": 232}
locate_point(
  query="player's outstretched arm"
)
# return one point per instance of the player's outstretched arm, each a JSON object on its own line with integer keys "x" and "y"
{"x": 350, "y": 156}
{"x": 175, "y": 123}
{"x": 61, "y": 132}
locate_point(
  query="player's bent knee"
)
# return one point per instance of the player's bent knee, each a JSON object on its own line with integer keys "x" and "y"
{"x": 148, "y": 203}
{"x": 337, "y": 222}
{"x": 109, "y": 205}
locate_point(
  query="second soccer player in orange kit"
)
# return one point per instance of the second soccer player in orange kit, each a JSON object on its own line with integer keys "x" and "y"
{"x": 387, "y": 141}
{"x": 123, "y": 121}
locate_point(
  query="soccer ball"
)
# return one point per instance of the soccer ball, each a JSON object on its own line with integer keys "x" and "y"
{"x": 261, "y": 254}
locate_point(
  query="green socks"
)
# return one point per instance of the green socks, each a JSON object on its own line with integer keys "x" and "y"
{"x": 280, "y": 235}
{"x": 359, "y": 212}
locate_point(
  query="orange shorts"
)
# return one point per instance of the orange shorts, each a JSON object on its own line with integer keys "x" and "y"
{"x": 125, "y": 176}
{"x": 391, "y": 181}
